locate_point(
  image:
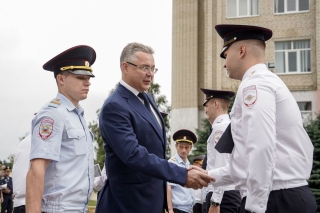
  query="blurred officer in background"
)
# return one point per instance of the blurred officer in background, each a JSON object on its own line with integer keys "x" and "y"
{"x": 181, "y": 199}
{"x": 199, "y": 194}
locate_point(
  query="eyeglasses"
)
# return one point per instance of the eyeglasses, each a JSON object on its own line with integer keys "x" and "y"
{"x": 145, "y": 68}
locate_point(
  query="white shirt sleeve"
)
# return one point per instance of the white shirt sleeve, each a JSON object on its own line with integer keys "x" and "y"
{"x": 260, "y": 148}
{"x": 98, "y": 182}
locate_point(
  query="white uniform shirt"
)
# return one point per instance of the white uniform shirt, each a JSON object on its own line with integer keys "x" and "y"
{"x": 216, "y": 159}
{"x": 19, "y": 171}
{"x": 272, "y": 150}
{"x": 60, "y": 133}
{"x": 182, "y": 197}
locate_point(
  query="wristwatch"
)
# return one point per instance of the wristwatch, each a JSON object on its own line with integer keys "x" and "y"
{"x": 214, "y": 204}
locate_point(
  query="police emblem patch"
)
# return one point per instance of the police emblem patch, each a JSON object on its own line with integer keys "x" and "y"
{"x": 250, "y": 96}
{"x": 217, "y": 135}
{"x": 46, "y": 128}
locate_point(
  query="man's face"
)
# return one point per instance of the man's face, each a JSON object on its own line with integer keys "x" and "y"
{"x": 136, "y": 77}
{"x": 7, "y": 173}
{"x": 183, "y": 149}
{"x": 210, "y": 110}
{"x": 231, "y": 62}
{"x": 75, "y": 87}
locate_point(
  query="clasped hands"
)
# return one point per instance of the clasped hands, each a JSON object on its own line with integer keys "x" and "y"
{"x": 197, "y": 178}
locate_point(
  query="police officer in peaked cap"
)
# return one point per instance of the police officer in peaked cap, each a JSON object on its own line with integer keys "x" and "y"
{"x": 181, "y": 199}
{"x": 271, "y": 153}
{"x": 60, "y": 178}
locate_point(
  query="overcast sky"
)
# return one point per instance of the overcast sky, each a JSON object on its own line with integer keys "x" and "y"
{"x": 34, "y": 31}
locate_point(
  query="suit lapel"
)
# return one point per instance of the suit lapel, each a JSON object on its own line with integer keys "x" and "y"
{"x": 152, "y": 102}
{"x": 138, "y": 106}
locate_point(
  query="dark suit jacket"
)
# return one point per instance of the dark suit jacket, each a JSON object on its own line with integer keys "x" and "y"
{"x": 135, "y": 156}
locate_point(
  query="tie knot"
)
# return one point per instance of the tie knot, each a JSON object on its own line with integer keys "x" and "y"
{"x": 142, "y": 95}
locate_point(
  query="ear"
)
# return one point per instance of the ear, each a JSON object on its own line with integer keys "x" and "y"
{"x": 216, "y": 103}
{"x": 124, "y": 67}
{"x": 242, "y": 51}
{"x": 60, "y": 79}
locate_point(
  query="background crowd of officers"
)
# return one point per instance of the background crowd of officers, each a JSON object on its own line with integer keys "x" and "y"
{"x": 6, "y": 189}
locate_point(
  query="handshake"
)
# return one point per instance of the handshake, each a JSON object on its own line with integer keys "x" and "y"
{"x": 197, "y": 178}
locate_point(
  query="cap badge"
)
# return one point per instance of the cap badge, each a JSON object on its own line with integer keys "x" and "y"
{"x": 86, "y": 63}
{"x": 184, "y": 137}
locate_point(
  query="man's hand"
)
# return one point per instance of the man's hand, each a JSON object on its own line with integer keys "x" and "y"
{"x": 6, "y": 191}
{"x": 214, "y": 209}
{"x": 197, "y": 168}
{"x": 197, "y": 178}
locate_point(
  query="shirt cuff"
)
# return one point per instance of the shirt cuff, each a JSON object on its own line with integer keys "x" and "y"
{"x": 256, "y": 204}
{"x": 221, "y": 179}
{"x": 217, "y": 196}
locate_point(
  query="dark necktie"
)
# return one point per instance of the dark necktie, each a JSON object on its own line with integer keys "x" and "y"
{"x": 144, "y": 97}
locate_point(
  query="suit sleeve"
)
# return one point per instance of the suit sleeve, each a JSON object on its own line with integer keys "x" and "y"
{"x": 117, "y": 130}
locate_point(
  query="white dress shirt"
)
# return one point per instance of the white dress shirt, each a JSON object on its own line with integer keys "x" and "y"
{"x": 19, "y": 171}
{"x": 272, "y": 150}
{"x": 215, "y": 159}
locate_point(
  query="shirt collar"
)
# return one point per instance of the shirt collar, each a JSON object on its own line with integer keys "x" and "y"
{"x": 220, "y": 118}
{"x": 130, "y": 88}
{"x": 69, "y": 105}
{"x": 179, "y": 159}
{"x": 253, "y": 68}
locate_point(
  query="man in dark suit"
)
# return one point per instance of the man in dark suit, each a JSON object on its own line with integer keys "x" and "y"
{"x": 134, "y": 140}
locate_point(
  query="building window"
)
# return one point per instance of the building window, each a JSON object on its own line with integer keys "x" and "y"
{"x": 290, "y": 6}
{"x": 292, "y": 56}
{"x": 242, "y": 8}
{"x": 306, "y": 112}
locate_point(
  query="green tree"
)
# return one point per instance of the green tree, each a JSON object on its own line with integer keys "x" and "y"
{"x": 313, "y": 130}
{"x": 163, "y": 106}
{"x": 94, "y": 128}
{"x": 200, "y": 148}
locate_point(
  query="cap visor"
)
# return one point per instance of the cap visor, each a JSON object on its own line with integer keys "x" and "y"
{"x": 81, "y": 72}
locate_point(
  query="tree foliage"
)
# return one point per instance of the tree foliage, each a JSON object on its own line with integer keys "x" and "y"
{"x": 313, "y": 130}
{"x": 163, "y": 106}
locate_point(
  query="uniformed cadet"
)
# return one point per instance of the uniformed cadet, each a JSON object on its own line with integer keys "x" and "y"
{"x": 199, "y": 195}
{"x": 179, "y": 198}
{"x": 7, "y": 203}
{"x": 224, "y": 199}
{"x": 272, "y": 154}
{"x": 60, "y": 178}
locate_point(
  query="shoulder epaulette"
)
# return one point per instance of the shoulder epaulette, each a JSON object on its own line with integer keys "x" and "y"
{"x": 55, "y": 103}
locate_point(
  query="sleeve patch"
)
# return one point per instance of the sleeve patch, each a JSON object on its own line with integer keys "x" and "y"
{"x": 46, "y": 128}
{"x": 250, "y": 95}
{"x": 217, "y": 135}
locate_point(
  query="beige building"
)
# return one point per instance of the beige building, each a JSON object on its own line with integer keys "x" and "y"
{"x": 293, "y": 52}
